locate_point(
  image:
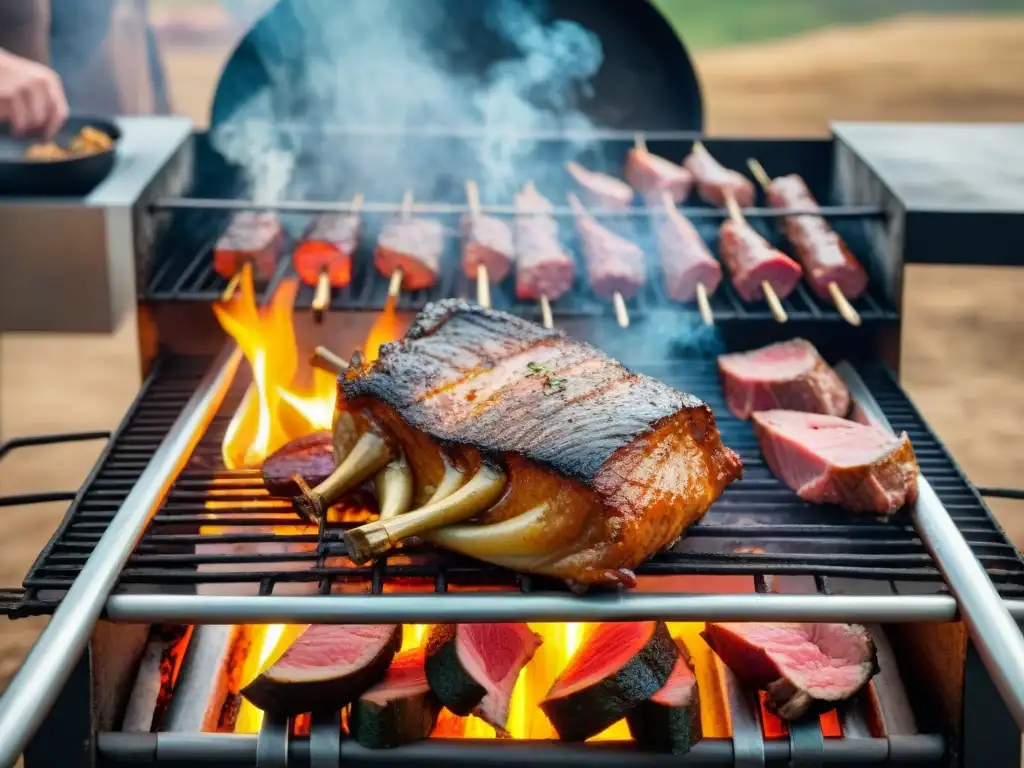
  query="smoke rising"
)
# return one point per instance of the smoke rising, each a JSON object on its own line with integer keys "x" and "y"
{"x": 400, "y": 66}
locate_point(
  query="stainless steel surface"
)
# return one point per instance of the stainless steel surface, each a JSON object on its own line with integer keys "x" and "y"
{"x": 992, "y": 627}
{"x": 69, "y": 264}
{"x": 456, "y": 608}
{"x": 325, "y": 740}
{"x": 35, "y": 687}
{"x": 747, "y": 736}
{"x": 202, "y": 684}
{"x": 272, "y": 743}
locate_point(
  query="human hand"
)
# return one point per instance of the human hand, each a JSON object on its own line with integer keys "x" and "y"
{"x": 31, "y": 96}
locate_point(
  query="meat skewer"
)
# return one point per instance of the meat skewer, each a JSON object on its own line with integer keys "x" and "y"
{"x": 757, "y": 270}
{"x": 324, "y": 258}
{"x": 715, "y": 183}
{"x": 488, "y": 248}
{"x": 615, "y": 264}
{"x": 653, "y": 176}
{"x": 831, "y": 270}
{"x": 253, "y": 237}
{"x": 600, "y": 188}
{"x": 544, "y": 271}
{"x": 691, "y": 272}
{"x": 409, "y": 250}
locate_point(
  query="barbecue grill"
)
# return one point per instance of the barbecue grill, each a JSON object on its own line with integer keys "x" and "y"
{"x": 173, "y": 570}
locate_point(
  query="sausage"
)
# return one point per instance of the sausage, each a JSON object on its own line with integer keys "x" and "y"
{"x": 487, "y": 241}
{"x": 327, "y": 246}
{"x": 685, "y": 259}
{"x": 543, "y": 267}
{"x": 251, "y": 236}
{"x": 715, "y": 183}
{"x": 823, "y": 254}
{"x": 600, "y": 189}
{"x": 614, "y": 263}
{"x": 651, "y": 175}
{"x": 751, "y": 260}
{"x": 413, "y": 245}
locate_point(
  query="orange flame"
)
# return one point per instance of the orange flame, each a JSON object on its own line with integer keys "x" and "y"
{"x": 385, "y": 328}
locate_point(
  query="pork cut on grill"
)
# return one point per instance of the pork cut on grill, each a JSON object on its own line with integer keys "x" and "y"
{"x": 251, "y": 236}
{"x": 651, "y": 176}
{"x": 413, "y": 245}
{"x": 327, "y": 245}
{"x": 716, "y": 183}
{"x": 600, "y": 189}
{"x": 685, "y": 259}
{"x": 488, "y": 242}
{"x": 752, "y": 262}
{"x": 605, "y": 467}
{"x": 543, "y": 267}
{"x": 614, "y": 263}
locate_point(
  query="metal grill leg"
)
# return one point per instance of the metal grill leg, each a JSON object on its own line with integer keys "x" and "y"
{"x": 65, "y": 737}
{"x": 991, "y": 737}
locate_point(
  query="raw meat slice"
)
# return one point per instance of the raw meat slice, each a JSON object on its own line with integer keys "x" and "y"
{"x": 650, "y": 175}
{"x": 806, "y": 669}
{"x": 828, "y": 460}
{"x": 790, "y": 375}
{"x": 472, "y": 668}
{"x": 617, "y": 667}
{"x": 310, "y": 457}
{"x": 670, "y": 720}
{"x": 399, "y": 709}
{"x": 600, "y": 189}
{"x": 327, "y": 667}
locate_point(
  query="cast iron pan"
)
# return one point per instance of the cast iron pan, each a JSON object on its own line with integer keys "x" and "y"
{"x": 73, "y": 177}
{"x": 647, "y": 80}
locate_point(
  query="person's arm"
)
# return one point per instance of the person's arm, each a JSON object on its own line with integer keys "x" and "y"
{"x": 31, "y": 96}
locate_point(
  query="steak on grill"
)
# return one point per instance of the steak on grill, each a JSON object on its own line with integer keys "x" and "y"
{"x": 829, "y": 460}
{"x": 806, "y": 669}
{"x": 310, "y": 457}
{"x": 605, "y": 467}
{"x": 543, "y": 268}
{"x": 790, "y": 375}
{"x": 600, "y": 188}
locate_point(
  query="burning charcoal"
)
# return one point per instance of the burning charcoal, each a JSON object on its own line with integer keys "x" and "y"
{"x": 310, "y": 457}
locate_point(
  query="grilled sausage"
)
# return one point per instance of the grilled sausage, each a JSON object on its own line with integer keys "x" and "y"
{"x": 751, "y": 260}
{"x": 251, "y": 236}
{"x": 543, "y": 268}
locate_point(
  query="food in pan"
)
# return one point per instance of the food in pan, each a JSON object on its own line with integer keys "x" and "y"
{"x": 256, "y": 237}
{"x": 806, "y": 669}
{"x": 715, "y": 183}
{"x": 652, "y": 176}
{"x": 685, "y": 259}
{"x": 310, "y": 457}
{"x": 823, "y": 254}
{"x": 543, "y": 268}
{"x": 88, "y": 141}
{"x": 572, "y": 466}
{"x": 327, "y": 667}
{"x": 414, "y": 246}
{"x": 398, "y": 710}
{"x": 829, "y": 460}
{"x": 600, "y": 189}
{"x": 615, "y": 264}
{"x": 617, "y": 667}
{"x": 789, "y": 375}
{"x": 669, "y": 721}
{"x": 487, "y": 241}
{"x": 752, "y": 261}
{"x": 327, "y": 247}
{"x": 472, "y": 668}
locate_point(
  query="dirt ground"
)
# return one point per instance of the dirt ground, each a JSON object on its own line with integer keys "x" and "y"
{"x": 963, "y": 354}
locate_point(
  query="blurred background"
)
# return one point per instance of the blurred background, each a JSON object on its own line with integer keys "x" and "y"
{"x": 768, "y": 68}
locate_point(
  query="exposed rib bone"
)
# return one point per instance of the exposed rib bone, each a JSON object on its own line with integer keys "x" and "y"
{"x": 454, "y": 478}
{"x": 394, "y": 488}
{"x": 373, "y": 539}
{"x": 368, "y": 456}
{"x": 522, "y": 535}
{"x": 345, "y": 435}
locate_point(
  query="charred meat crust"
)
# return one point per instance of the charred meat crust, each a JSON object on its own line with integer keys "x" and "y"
{"x": 569, "y": 426}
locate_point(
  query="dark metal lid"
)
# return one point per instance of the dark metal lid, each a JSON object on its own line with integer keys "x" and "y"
{"x": 645, "y": 80}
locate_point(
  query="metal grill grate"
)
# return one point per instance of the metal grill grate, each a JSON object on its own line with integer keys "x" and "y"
{"x": 757, "y": 528}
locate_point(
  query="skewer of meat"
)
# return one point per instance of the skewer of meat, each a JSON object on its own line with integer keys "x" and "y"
{"x": 409, "y": 250}
{"x": 544, "y": 271}
{"x": 324, "y": 257}
{"x": 600, "y": 189}
{"x": 488, "y": 248}
{"x": 691, "y": 272}
{"x": 757, "y": 270}
{"x": 653, "y": 176}
{"x": 254, "y": 237}
{"x": 615, "y": 264}
{"x": 831, "y": 269}
{"x": 715, "y": 183}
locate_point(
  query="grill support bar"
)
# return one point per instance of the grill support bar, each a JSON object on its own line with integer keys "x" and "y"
{"x": 237, "y": 749}
{"x": 40, "y": 679}
{"x": 993, "y": 629}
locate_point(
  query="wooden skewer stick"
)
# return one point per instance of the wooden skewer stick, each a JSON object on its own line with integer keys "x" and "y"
{"x": 545, "y": 313}
{"x": 326, "y": 360}
{"x": 639, "y": 142}
{"x": 778, "y": 311}
{"x": 621, "y": 312}
{"x": 483, "y": 280}
{"x": 842, "y": 304}
{"x": 229, "y": 290}
{"x": 395, "y": 286}
{"x": 322, "y": 295}
{"x": 703, "y": 304}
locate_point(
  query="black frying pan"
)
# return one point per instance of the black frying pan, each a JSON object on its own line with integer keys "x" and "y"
{"x": 73, "y": 177}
